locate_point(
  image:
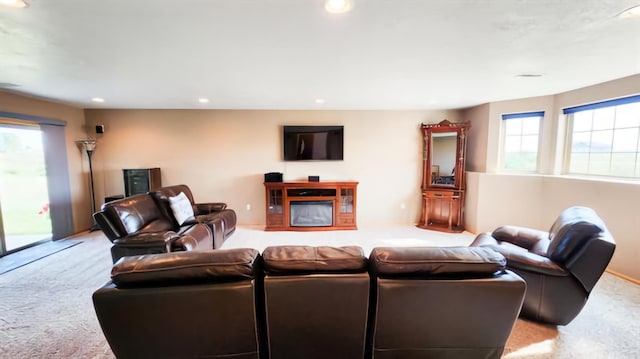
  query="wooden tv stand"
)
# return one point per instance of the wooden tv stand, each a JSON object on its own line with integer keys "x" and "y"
{"x": 310, "y": 206}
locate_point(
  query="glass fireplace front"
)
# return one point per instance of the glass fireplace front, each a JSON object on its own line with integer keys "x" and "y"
{"x": 311, "y": 213}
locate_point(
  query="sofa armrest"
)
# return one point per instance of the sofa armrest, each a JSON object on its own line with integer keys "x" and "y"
{"x": 106, "y": 226}
{"x": 184, "y": 244}
{"x": 530, "y": 262}
{"x": 533, "y": 240}
{"x": 204, "y": 208}
{"x": 483, "y": 239}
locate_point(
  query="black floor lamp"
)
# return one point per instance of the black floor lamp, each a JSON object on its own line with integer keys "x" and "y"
{"x": 89, "y": 145}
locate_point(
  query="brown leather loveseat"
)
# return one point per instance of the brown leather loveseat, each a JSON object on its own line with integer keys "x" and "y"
{"x": 311, "y": 302}
{"x": 136, "y": 225}
{"x": 146, "y": 223}
{"x": 216, "y": 215}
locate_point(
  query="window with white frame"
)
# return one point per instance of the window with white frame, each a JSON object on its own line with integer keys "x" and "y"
{"x": 520, "y": 141}
{"x": 604, "y": 137}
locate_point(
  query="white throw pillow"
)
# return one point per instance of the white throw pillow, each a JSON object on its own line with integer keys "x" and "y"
{"x": 181, "y": 207}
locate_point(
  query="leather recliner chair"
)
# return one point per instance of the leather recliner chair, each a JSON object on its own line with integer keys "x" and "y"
{"x": 561, "y": 266}
{"x": 455, "y": 302}
{"x": 198, "y": 304}
{"x": 136, "y": 226}
{"x": 317, "y": 301}
{"x": 216, "y": 215}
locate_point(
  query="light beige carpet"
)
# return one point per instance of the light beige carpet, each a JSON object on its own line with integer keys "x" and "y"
{"x": 46, "y": 309}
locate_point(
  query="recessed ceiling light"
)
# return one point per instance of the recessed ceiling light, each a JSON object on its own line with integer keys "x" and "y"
{"x": 14, "y": 3}
{"x": 203, "y": 100}
{"x": 630, "y": 12}
{"x": 319, "y": 100}
{"x": 338, "y": 6}
{"x": 97, "y": 99}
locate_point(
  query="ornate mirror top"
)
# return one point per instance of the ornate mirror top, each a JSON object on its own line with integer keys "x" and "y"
{"x": 445, "y": 124}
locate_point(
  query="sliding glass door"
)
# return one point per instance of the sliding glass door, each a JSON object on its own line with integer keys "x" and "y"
{"x": 24, "y": 197}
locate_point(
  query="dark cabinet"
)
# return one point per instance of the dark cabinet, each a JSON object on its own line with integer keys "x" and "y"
{"x": 141, "y": 180}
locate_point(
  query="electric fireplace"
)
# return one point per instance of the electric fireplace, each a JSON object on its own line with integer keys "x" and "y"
{"x": 311, "y": 213}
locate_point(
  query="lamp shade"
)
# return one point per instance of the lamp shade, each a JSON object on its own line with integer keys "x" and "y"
{"x": 88, "y": 144}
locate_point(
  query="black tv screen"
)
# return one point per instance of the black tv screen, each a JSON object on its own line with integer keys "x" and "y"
{"x": 313, "y": 143}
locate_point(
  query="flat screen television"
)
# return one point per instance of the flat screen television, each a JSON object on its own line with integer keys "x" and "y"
{"x": 313, "y": 143}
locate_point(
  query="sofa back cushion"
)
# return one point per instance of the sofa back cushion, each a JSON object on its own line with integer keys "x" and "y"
{"x": 436, "y": 261}
{"x": 570, "y": 232}
{"x": 135, "y": 214}
{"x": 282, "y": 260}
{"x": 181, "y": 267}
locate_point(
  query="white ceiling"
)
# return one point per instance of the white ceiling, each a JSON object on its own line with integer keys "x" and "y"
{"x": 285, "y": 54}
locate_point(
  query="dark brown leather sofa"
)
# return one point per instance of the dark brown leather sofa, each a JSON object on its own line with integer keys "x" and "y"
{"x": 310, "y": 302}
{"x": 220, "y": 219}
{"x": 561, "y": 266}
{"x": 136, "y": 225}
{"x": 145, "y": 224}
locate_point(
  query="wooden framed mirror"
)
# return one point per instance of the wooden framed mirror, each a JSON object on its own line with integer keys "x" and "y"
{"x": 443, "y": 175}
{"x": 443, "y": 158}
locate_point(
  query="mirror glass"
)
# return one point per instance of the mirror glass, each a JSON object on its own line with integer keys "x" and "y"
{"x": 443, "y": 158}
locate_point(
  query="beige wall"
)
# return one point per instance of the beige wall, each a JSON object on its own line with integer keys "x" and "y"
{"x": 223, "y": 155}
{"x": 494, "y": 199}
{"x": 75, "y": 130}
{"x": 477, "y": 137}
